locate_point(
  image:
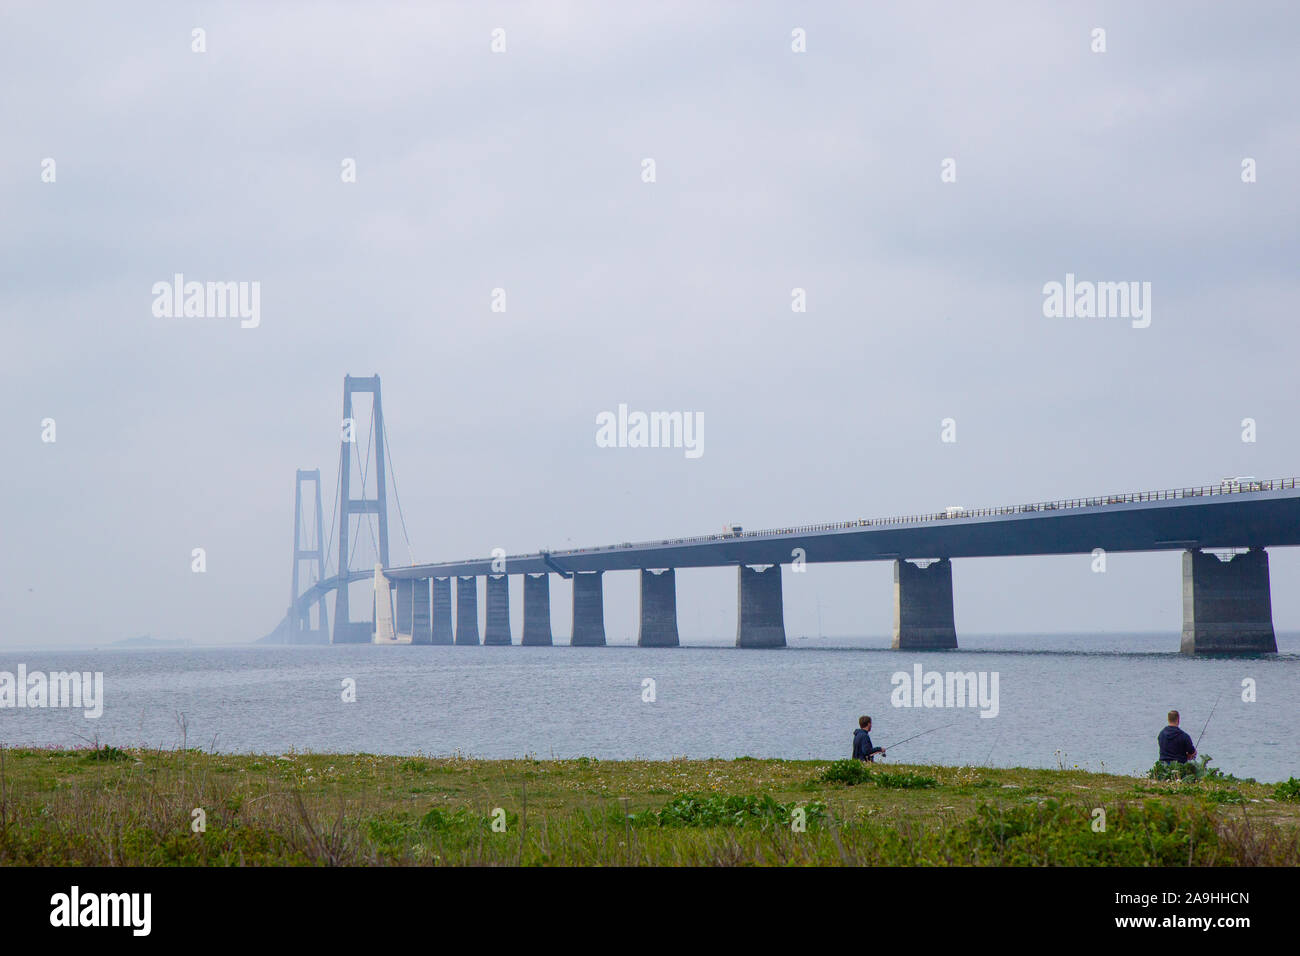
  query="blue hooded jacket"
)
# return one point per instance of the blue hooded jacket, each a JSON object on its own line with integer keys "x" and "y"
{"x": 862, "y": 749}
{"x": 1175, "y": 745}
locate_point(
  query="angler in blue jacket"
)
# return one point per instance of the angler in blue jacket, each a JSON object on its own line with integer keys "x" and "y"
{"x": 1175, "y": 744}
{"x": 862, "y": 749}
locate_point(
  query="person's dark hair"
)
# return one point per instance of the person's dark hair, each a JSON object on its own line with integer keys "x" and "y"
{"x": 864, "y": 721}
{"x": 1173, "y": 716}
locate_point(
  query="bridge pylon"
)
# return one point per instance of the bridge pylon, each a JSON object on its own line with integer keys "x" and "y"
{"x": 347, "y": 631}
{"x": 301, "y": 630}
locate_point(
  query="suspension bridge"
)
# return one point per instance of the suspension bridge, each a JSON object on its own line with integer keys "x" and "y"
{"x": 1222, "y": 530}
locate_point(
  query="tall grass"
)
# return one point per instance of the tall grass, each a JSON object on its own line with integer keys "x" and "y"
{"x": 89, "y": 808}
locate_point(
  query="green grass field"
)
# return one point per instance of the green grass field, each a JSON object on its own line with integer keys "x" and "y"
{"x": 143, "y": 807}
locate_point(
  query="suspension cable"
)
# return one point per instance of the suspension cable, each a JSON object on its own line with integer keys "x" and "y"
{"x": 370, "y": 435}
{"x": 371, "y": 518}
{"x": 334, "y": 513}
{"x": 392, "y": 470}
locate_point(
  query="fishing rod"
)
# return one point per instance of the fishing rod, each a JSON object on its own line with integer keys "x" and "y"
{"x": 989, "y": 755}
{"x": 914, "y": 736}
{"x": 1197, "y": 745}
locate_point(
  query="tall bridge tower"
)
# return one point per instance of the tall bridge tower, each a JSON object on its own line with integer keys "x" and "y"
{"x": 301, "y": 630}
{"x": 347, "y": 631}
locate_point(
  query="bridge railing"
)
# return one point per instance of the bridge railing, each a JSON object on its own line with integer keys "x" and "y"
{"x": 1168, "y": 494}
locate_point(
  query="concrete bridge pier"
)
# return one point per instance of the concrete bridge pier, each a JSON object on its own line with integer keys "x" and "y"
{"x": 1227, "y": 605}
{"x": 421, "y": 619}
{"x": 405, "y": 598}
{"x": 923, "y": 616}
{"x": 537, "y": 610}
{"x": 467, "y": 610}
{"x": 442, "y": 632}
{"x": 352, "y": 632}
{"x": 760, "y": 616}
{"x": 497, "y": 628}
{"x": 658, "y": 609}
{"x": 588, "y": 609}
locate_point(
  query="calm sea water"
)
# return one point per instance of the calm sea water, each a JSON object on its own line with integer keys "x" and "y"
{"x": 1095, "y": 702}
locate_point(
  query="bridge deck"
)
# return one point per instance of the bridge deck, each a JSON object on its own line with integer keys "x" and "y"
{"x": 1266, "y": 515}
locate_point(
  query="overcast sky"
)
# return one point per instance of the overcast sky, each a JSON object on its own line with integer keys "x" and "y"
{"x": 522, "y": 170}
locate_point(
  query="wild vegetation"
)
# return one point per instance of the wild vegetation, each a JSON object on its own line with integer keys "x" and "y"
{"x": 113, "y": 806}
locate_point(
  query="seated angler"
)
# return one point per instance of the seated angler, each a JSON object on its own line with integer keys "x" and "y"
{"x": 1175, "y": 744}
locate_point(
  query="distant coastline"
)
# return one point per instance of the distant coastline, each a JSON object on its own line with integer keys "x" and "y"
{"x": 146, "y": 640}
